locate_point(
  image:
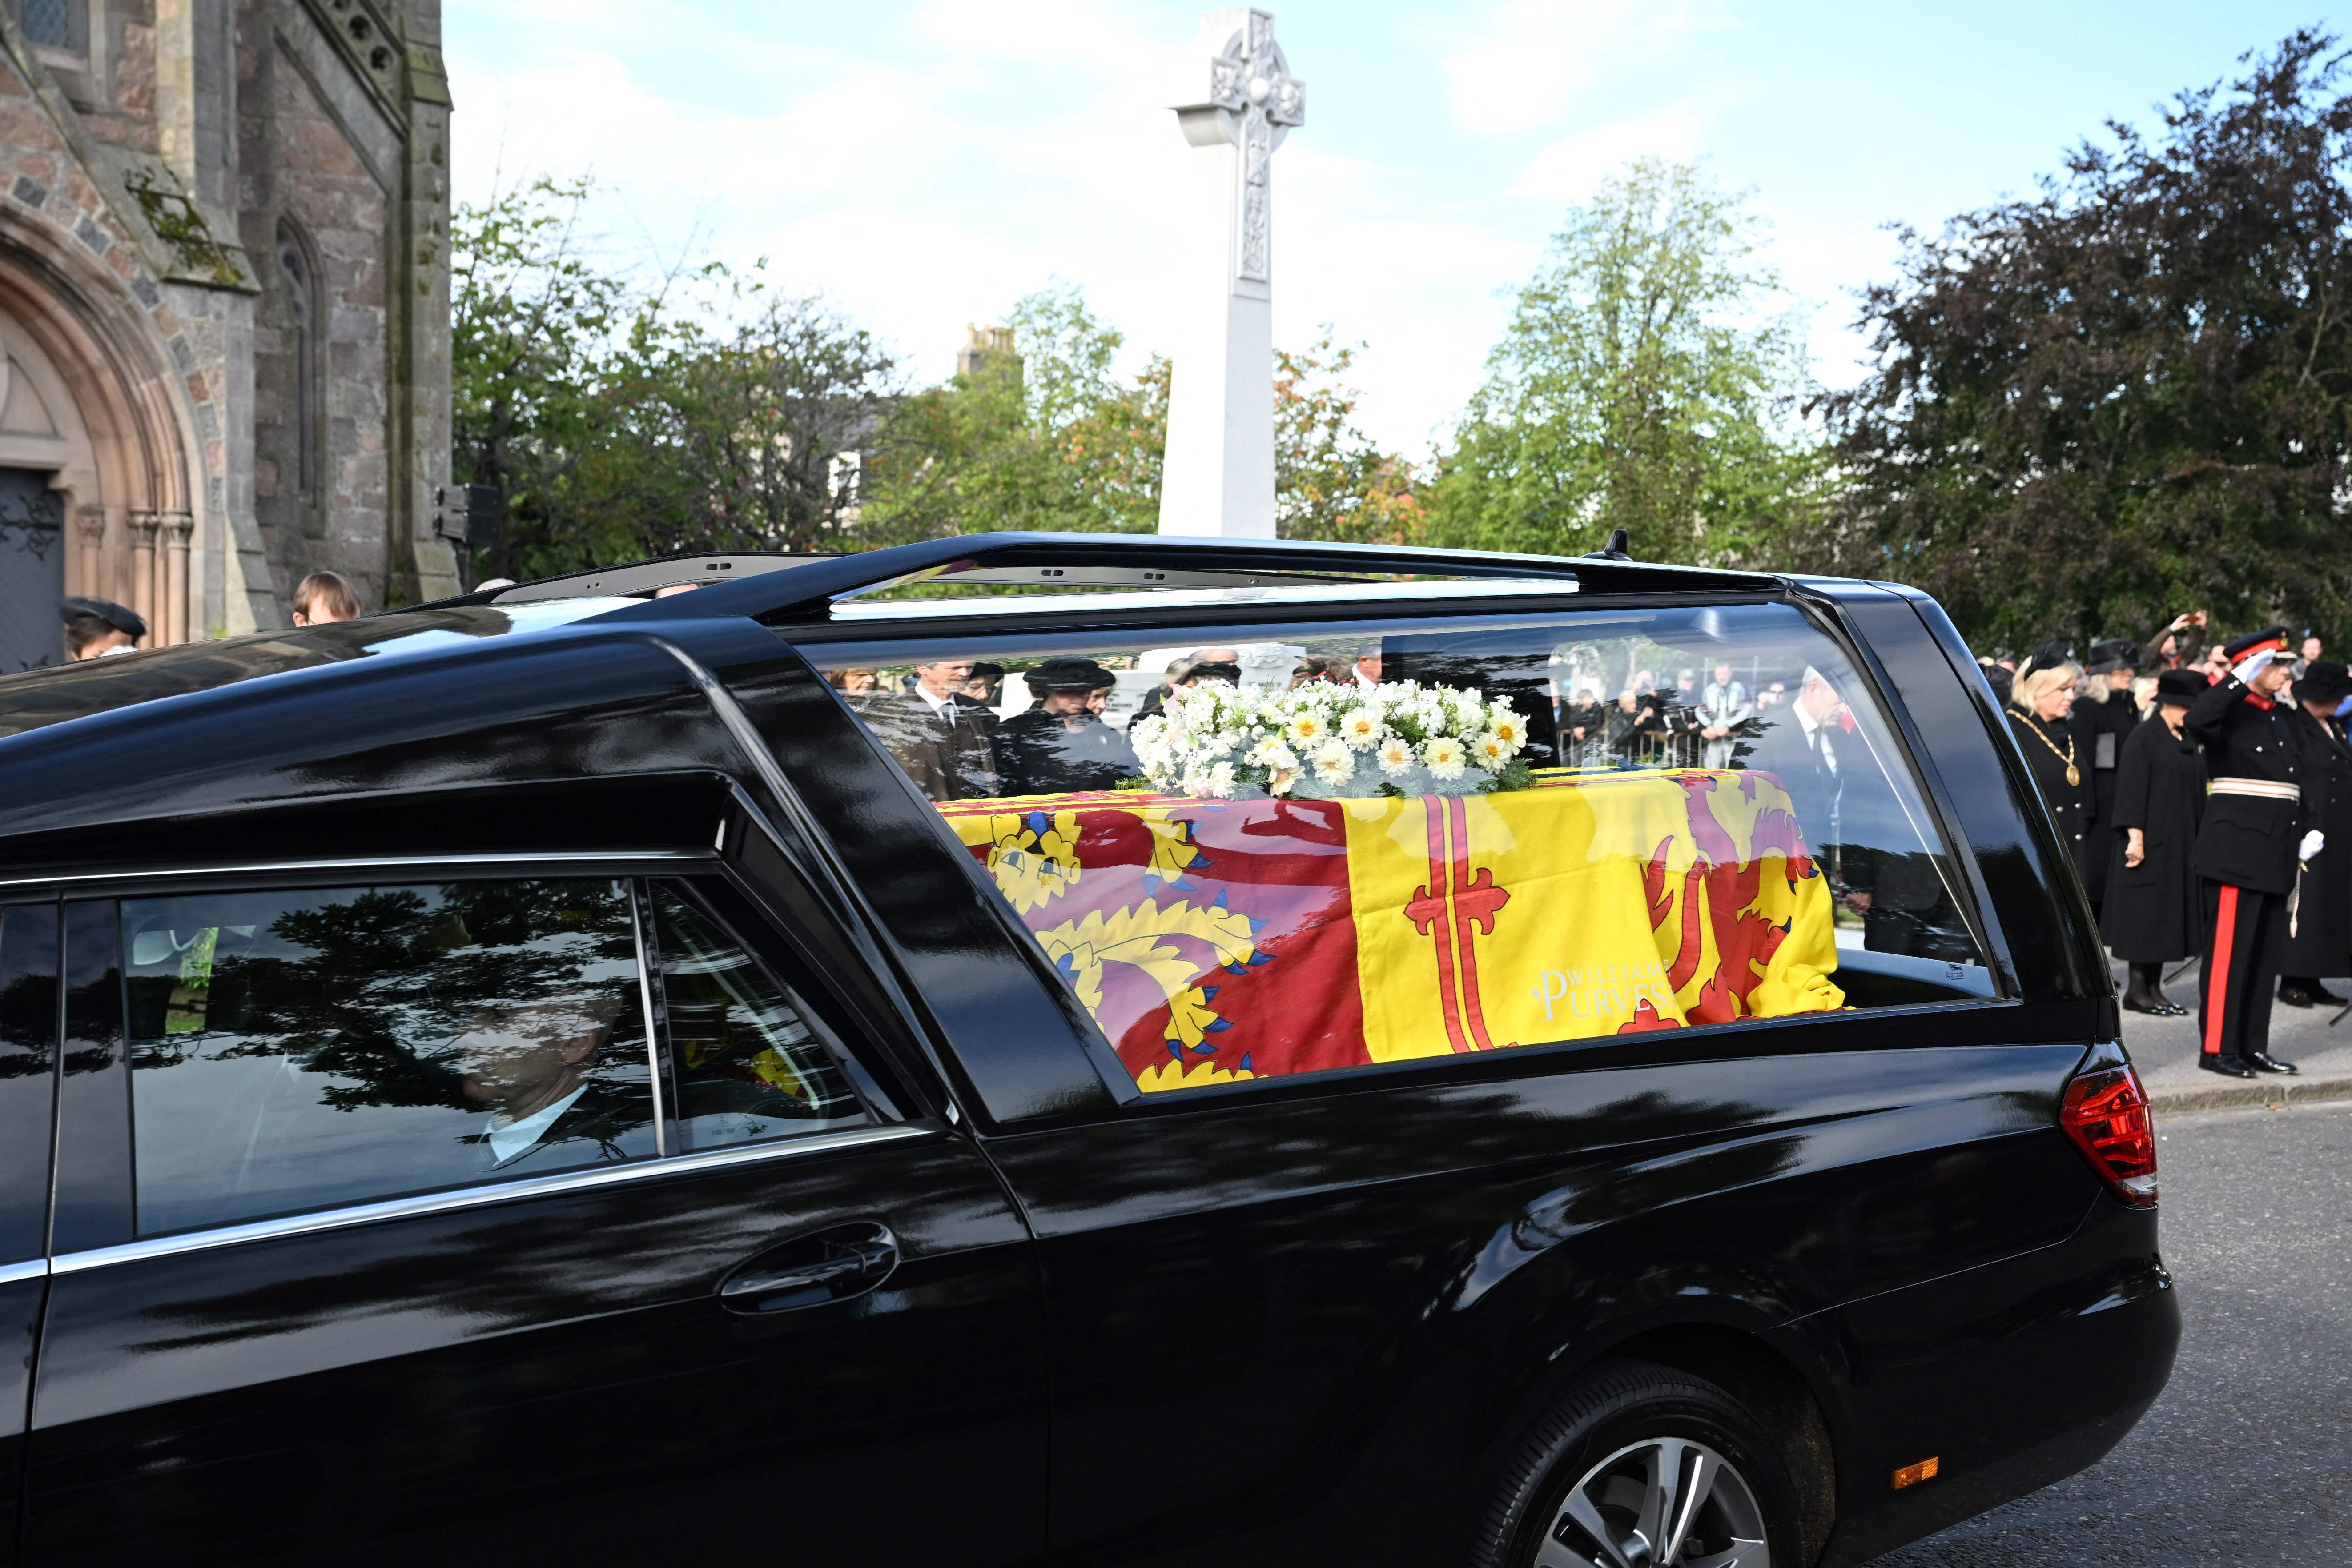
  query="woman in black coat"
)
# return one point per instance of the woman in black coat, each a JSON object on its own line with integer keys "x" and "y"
{"x": 2153, "y": 914}
{"x": 2103, "y": 720}
{"x": 2321, "y": 942}
{"x": 2040, "y": 700}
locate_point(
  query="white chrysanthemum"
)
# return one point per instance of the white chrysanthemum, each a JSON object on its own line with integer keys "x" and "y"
{"x": 1444, "y": 758}
{"x": 1308, "y": 729}
{"x": 1220, "y": 781}
{"x": 1360, "y": 727}
{"x": 1334, "y": 763}
{"x": 1469, "y": 712}
{"x": 1488, "y": 752}
{"x": 1395, "y": 756}
{"x": 1271, "y": 752}
{"x": 1508, "y": 727}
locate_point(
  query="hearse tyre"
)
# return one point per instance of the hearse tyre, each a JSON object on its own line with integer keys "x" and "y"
{"x": 1646, "y": 1467}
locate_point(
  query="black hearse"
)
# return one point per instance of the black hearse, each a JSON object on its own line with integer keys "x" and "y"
{"x": 1559, "y": 1062}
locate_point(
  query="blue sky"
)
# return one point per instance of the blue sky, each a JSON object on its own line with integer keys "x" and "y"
{"x": 924, "y": 164}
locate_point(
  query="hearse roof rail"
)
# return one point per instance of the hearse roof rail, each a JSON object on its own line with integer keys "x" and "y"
{"x": 780, "y": 589}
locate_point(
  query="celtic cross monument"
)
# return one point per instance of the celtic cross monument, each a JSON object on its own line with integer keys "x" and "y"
{"x": 1218, "y": 476}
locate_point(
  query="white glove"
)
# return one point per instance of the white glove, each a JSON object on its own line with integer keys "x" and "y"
{"x": 2253, "y": 665}
{"x": 2313, "y": 842}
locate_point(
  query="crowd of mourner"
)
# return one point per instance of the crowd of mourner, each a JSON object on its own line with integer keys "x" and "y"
{"x": 2205, "y": 791}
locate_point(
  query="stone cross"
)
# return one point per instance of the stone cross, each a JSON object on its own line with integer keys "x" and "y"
{"x": 1218, "y": 474}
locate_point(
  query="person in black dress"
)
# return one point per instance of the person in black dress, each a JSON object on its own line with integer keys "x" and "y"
{"x": 1062, "y": 746}
{"x": 2154, "y": 916}
{"x": 2040, "y": 699}
{"x": 2102, "y": 718}
{"x": 2320, "y": 940}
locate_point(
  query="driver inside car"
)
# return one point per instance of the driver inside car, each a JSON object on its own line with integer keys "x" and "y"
{"x": 532, "y": 1064}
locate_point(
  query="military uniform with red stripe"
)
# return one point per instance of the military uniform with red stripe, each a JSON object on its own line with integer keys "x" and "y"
{"x": 2246, "y": 855}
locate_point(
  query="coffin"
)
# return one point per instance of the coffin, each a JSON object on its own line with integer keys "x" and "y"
{"x": 1214, "y": 940}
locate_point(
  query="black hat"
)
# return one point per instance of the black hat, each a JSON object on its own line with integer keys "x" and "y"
{"x": 1072, "y": 675}
{"x": 2323, "y": 680}
{"x": 2114, "y": 653}
{"x": 2181, "y": 686}
{"x": 2048, "y": 654}
{"x": 2253, "y": 643}
{"x": 981, "y": 670}
{"x": 123, "y": 620}
{"x": 1212, "y": 670}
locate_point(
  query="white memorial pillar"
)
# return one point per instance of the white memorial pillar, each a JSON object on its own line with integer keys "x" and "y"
{"x": 1218, "y": 474}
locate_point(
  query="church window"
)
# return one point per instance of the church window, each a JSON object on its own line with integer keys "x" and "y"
{"x": 56, "y": 24}
{"x": 294, "y": 261}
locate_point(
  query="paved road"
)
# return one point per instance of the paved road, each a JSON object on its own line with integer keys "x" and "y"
{"x": 2248, "y": 1456}
{"x": 2166, "y": 1048}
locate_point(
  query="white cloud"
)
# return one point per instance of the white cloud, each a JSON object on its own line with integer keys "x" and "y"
{"x": 1528, "y": 61}
{"x": 923, "y": 191}
{"x": 1568, "y": 169}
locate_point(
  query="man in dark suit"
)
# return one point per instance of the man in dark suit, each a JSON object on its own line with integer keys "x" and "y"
{"x": 1804, "y": 745}
{"x": 2247, "y": 849}
{"x": 533, "y": 1065}
{"x": 945, "y": 740}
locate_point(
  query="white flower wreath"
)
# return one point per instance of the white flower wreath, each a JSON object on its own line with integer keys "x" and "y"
{"x": 1322, "y": 742}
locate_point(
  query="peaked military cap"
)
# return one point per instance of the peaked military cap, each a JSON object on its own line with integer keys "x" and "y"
{"x": 2273, "y": 638}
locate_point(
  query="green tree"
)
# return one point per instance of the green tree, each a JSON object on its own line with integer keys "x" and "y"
{"x": 709, "y": 410}
{"x": 1331, "y": 480}
{"x": 714, "y": 411}
{"x": 1048, "y": 436}
{"x": 532, "y": 322}
{"x": 2127, "y": 394}
{"x": 751, "y": 413}
{"x": 1651, "y": 379}
{"x": 1053, "y": 438}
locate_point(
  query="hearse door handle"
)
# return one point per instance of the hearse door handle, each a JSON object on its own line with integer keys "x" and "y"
{"x": 829, "y": 1266}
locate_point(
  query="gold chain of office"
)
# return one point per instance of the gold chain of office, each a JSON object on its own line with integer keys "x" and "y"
{"x": 2067, "y": 756}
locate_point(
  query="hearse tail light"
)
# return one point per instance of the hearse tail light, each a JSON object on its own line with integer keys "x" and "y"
{"x": 2106, "y": 1114}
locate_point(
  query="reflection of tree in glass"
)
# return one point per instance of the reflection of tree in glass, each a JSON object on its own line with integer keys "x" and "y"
{"x": 28, "y": 992}
{"x": 382, "y": 983}
{"x": 28, "y": 1023}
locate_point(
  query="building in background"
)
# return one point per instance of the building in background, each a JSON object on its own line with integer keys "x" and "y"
{"x": 225, "y": 306}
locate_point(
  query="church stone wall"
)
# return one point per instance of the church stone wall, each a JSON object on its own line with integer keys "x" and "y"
{"x": 150, "y": 191}
{"x": 308, "y": 188}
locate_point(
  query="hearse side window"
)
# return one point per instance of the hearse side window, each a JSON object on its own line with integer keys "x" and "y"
{"x": 1291, "y": 851}
{"x": 749, "y": 1064}
{"x": 311, "y": 1047}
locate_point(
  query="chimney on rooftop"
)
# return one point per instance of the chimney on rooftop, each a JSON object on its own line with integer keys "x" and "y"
{"x": 985, "y": 347}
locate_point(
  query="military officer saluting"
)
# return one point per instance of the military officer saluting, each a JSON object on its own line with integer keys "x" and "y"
{"x": 2247, "y": 848}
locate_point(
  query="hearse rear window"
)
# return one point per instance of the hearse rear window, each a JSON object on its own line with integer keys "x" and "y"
{"x": 1299, "y": 852}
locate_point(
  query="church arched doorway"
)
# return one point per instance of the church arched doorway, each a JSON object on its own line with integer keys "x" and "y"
{"x": 94, "y": 481}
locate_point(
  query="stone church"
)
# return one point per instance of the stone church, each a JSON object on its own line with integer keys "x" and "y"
{"x": 224, "y": 308}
